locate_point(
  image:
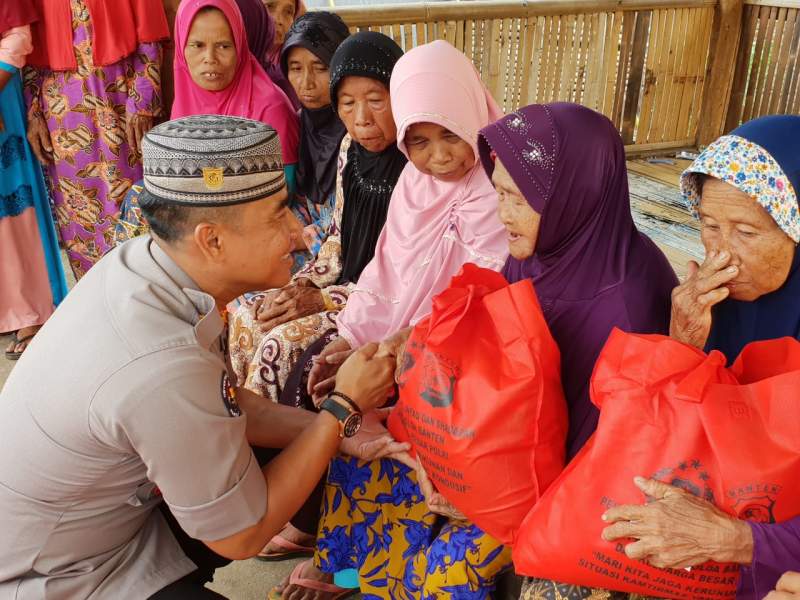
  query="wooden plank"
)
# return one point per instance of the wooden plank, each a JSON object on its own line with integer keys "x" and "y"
{"x": 773, "y": 51}
{"x": 460, "y": 41}
{"x": 494, "y": 82}
{"x": 536, "y": 64}
{"x": 655, "y": 45}
{"x": 673, "y": 90}
{"x": 760, "y": 53}
{"x": 610, "y": 64}
{"x": 567, "y": 61}
{"x": 549, "y": 52}
{"x": 636, "y": 75}
{"x": 790, "y": 4}
{"x": 662, "y": 79}
{"x": 691, "y": 51}
{"x": 584, "y": 36}
{"x": 623, "y": 67}
{"x": 785, "y": 71}
{"x": 593, "y": 64}
{"x": 741, "y": 75}
{"x": 794, "y": 56}
{"x": 703, "y": 63}
{"x": 526, "y": 59}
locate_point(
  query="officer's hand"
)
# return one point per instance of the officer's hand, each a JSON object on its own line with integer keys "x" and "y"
{"x": 367, "y": 377}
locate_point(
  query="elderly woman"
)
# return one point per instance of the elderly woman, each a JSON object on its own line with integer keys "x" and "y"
{"x": 743, "y": 189}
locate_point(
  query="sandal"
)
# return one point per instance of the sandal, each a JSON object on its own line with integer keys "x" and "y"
{"x": 290, "y": 550}
{"x": 296, "y": 578}
{"x": 10, "y": 354}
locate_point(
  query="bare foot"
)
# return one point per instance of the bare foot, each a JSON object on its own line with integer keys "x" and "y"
{"x": 293, "y": 535}
{"x": 296, "y": 592}
{"x": 26, "y": 335}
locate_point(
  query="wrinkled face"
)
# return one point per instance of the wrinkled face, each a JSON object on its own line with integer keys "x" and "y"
{"x": 310, "y": 78}
{"x": 520, "y": 220}
{"x": 439, "y": 152}
{"x": 366, "y": 111}
{"x": 210, "y": 51}
{"x": 283, "y": 13}
{"x": 733, "y": 221}
{"x": 258, "y": 244}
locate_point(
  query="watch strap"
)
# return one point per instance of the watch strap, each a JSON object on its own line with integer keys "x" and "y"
{"x": 338, "y": 410}
{"x": 347, "y": 400}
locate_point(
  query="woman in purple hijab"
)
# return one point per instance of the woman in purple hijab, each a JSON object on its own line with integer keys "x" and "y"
{"x": 260, "y": 29}
{"x": 563, "y": 165}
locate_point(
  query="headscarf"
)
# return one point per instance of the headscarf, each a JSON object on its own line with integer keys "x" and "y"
{"x": 369, "y": 178}
{"x": 592, "y": 270}
{"x": 16, "y": 13}
{"x": 272, "y": 56}
{"x": 251, "y": 94}
{"x": 433, "y": 227}
{"x": 260, "y": 28}
{"x": 118, "y": 28}
{"x": 762, "y": 159}
{"x": 321, "y": 130}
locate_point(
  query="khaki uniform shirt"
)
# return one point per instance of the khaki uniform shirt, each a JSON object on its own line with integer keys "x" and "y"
{"x": 123, "y": 390}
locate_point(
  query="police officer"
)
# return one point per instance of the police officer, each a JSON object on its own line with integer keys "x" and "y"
{"x": 122, "y": 437}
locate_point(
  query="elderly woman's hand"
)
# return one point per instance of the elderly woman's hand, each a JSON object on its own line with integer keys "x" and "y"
{"x": 678, "y": 530}
{"x": 396, "y": 346}
{"x": 436, "y": 503}
{"x": 693, "y": 300}
{"x": 788, "y": 588}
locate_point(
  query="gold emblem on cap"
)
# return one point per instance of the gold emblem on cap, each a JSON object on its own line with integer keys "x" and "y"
{"x": 213, "y": 178}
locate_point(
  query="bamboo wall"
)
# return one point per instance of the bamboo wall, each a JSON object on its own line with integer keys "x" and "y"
{"x": 643, "y": 64}
{"x": 767, "y": 76}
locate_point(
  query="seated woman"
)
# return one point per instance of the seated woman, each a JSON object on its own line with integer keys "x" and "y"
{"x": 442, "y": 215}
{"x": 743, "y": 188}
{"x": 215, "y": 73}
{"x": 307, "y": 52}
{"x": 271, "y": 331}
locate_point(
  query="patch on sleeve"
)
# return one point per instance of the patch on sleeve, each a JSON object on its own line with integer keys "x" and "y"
{"x": 229, "y": 397}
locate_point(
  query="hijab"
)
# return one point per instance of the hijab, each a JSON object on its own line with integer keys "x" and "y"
{"x": 321, "y": 130}
{"x": 592, "y": 270}
{"x": 762, "y": 159}
{"x": 251, "y": 94}
{"x": 368, "y": 178}
{"x": 117, "y": 28}
{"x": 433, "y": 227}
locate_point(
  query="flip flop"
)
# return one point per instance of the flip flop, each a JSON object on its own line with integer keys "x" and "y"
{"x": 290, "y": 550}
{"x": 296, "y": 578}
{"x": 19, "y": 340}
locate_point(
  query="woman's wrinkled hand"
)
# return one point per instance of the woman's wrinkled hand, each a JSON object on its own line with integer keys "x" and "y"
{"x": 435, "y": 502}
{"x": 788, "y": 588}
{"x": 322, "y": 377}
{"x": 693, "y": 300}
{"x": 396, "y": 346}
{"x": 678, "y": 530}
{"x": 39, "y": 139}
{"x": 373, "y": 440}
{"x": 292, "y": 302}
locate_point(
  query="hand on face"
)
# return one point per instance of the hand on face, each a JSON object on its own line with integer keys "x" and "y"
{"x": 678, "y": 530}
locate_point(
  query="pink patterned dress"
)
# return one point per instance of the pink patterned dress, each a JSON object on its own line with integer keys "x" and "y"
{"x": 86, "y": 112}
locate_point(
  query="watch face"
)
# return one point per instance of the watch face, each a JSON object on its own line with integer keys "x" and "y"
{"x": 352, "y": 424}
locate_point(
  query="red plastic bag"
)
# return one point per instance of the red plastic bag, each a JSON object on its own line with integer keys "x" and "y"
{"x": 481, "y": 399}
{"x": 670, "y": 412}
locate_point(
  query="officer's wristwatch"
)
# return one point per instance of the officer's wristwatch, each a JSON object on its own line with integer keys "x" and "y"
{"x": 346, "y": 412}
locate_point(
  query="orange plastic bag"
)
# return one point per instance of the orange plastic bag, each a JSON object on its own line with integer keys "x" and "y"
{"x": 670, "y": 412}
{"x": 481, "y": 399}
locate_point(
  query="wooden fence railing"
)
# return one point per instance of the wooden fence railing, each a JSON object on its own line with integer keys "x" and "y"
{"x": 767, "y": 76}
{"x": 641, "y": 63}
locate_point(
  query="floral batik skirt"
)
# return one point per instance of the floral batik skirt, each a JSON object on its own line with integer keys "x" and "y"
{"x": 374, "y": 519}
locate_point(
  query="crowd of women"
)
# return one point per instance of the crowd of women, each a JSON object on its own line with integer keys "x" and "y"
{"x": 402, "y": 169}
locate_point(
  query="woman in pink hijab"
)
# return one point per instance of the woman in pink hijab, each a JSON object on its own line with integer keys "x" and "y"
{"x": 437, "y": 220}
{"x": 442, "y": 215}
{"x": 215, "y": 73}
